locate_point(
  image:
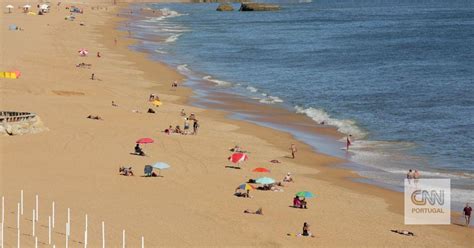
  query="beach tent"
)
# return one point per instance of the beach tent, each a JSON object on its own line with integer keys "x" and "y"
{"x": 44, "y": 8}
{"x": 160, "y": 166}
{"x": 13, "y": 27}
{"x": 9, "y": 7}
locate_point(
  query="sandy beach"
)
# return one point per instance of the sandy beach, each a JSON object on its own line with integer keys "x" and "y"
{"x": 75, "y": 161}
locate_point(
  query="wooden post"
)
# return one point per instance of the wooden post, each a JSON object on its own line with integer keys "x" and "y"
{"x": 123, "y": 239}
{"x": 143, "y": 242}
{"x": 18, "y": 225}
{"x": 85, "y": 233}
{"x": 68, "y": 224}
{"x": 67, "y": 238}
{"x": 3, "y": 220}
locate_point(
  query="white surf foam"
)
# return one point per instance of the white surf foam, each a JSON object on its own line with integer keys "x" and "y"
{"x": 183, "y": 68}
{"x": 251, "y": 89}
{"x": 343, "y": 126}
{"x": 270, "y": 100}
{"x": 172, "y": 38}
{"x": 217, "y": 81}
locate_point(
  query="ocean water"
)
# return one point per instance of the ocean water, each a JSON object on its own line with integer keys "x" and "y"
{"x": 397, "y": 75}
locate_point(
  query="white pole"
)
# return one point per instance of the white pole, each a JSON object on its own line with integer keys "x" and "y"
{"x": 18, "y": 225}
{"x": 123, "y": 239}
{"x": 103, "y": 234}
{"x": 85, "y": 233}
{"x": 36, "y": 242}
{"x": 143, "y": 242}
{"x": 53, "y": 207}
{"x": 33, "y": 223}
{"x": 3, "y": 219}
{"x": 49, "y": 230}
{"x": 21, "y": 201}
{"x": 37, "y": 208}
{"x": 68, "y": 224}
{"x": 67, "y": 238}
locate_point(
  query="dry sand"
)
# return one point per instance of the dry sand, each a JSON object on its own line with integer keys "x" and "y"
{"x": 76, "y": 162}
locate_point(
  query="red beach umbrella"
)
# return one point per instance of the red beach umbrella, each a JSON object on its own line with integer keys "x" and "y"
{"x": 145, "y": 141}
{"x": 261, "y": 169}
{"x": 238, "y": 157}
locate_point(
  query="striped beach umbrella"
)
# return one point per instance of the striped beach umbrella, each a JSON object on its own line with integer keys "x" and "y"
{"x": 238, "y": 157}
{"x": 246, "y": 186}
{"x": 305, "y": 194}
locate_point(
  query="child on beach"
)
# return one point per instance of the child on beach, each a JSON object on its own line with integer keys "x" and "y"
{"x": 288, "y": 178}
{"x": 293, "y": 150}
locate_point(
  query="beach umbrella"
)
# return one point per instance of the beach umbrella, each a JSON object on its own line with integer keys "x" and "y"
{"x": 261, "y": 169}
{"x": 238, "y": 157}
{"x": 265, "y": 180}
{"x": 246, "y": 186}
{"x": 305, "y": 194}
{"x": 160, "y": 166}
{"x": 145, "y": 141}
{"x": 26, "y": 6}
{"x": 44, "y": 6}
{"x": 9, "y": 7}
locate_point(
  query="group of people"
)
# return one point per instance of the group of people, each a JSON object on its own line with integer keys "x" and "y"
{"x": 300, "y": 202}
{"x": 126, "y": 171}
{"x": 186, "y": 127}
{"x": 413, "y": 176}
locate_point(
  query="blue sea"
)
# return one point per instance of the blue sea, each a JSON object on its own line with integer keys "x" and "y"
{"x": 396, "y": 75}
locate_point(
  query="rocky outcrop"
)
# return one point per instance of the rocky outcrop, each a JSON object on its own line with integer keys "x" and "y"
{"x": 225, "y": 7}
{"x": 18, "y": 123}
{"x": 259, "y": 7}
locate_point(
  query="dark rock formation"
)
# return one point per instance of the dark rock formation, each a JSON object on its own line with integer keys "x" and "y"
{"x": 258, "y": 7}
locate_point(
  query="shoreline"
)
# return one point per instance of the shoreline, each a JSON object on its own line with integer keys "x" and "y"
{"x": 323, "y": 175}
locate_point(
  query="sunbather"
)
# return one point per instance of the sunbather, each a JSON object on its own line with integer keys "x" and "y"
{"x": 403, "y": 232}
{"x": 288, "y": 178}
{"x": 259, "y": 211}
{"x": 94, "y": 117}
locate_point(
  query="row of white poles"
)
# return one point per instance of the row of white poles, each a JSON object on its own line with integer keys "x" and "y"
{"x": 51, "y": 225}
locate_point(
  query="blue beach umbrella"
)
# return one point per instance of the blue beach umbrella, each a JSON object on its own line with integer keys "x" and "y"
{"x": 265, "y": 180}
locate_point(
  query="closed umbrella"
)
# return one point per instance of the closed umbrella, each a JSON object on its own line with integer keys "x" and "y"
{"x": 145, "y": 141}
{"x": 265, "y": 180}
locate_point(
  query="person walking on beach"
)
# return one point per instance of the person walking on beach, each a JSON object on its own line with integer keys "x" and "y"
{"x": 410, "y": 176}
{"x": 293, "y": 150}
{"x": 348, "y": 142}
{"x": 195, "y": 127}
{"x": 467, "y": 214}
{"x": 92, "y": 76}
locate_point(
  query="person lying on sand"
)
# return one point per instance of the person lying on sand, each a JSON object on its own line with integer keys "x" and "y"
{"x": 94, "y": 117}
{"x": 124, "y": 171}
{"x": 245, "y": 194}
{"x": 259, "y": 211}
{"x": 403, "y": 232}
{"x": 178, "y": 130}
{"x": 83, "y": 65}
{"x": 169, "y": 130}
{"x": 275, "y": 161}
{"x": 114, "y": 104}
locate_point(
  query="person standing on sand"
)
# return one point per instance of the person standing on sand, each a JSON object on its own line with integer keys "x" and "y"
{"x": 92, "y": 76}
{"x": 348, "y": 142}
{"x": 410, "y": 176}
{"x": 195, "y": 127}
{"x": 293, "y": 150}
{"x": 467, "y": 214}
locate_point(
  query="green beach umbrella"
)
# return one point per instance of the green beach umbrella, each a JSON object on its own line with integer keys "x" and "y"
{"x": 305, "y": 194}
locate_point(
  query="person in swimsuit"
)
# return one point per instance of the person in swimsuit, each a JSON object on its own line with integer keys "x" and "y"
{"x": 467, "y": 214}
{"x": 293, "y": 150}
